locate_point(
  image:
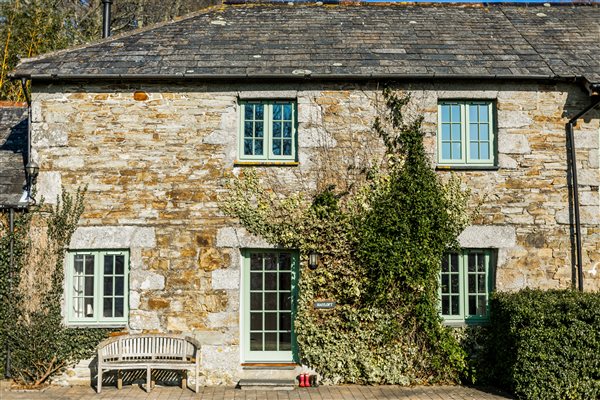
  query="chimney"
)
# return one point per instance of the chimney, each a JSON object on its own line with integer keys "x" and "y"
{"x": 106, "y": 18}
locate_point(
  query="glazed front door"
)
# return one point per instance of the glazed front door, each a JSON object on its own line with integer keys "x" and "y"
{"x": 268, "y": 299}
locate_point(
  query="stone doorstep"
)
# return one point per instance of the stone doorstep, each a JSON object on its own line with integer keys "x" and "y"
{"x": 266, "y": 384}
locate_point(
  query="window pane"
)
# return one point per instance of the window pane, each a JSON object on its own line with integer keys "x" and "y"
{"x": 454, "y": 262}
{"x": 285, "y": 341}
{"x": 256, "y": 323}
{"x": 276, "y": 129}
{"x": 456, "y": 151}
{"x": 287, "y": 147}
{"x": 277, "y": 147}
{"x": 445, "y": 283}
{"x": 89, "y": 285}
{"x": 270, "y": 301}
{"x": 446, "y": 151}
{"x": 119, "y": 285}
{"x": 119, "y": 265}
{"x": 446, "y": 305}
{"x": 78, "y": 307}
{"x": 474, "y": 150}
{"x": 108, "y": 286}
{"x": 445, "y": 132}
{"x": 270, "y": 262}
{"x": 270, "y": 341}
{"x": 78, "y": 264}
{"x": 484, "y": 132}
{"x": 119, "y": 307}
{"x": 271, "y": 281}
{"x": 285, "y": 280}
{"x": 285, "y": 261}
{"x": 258, "y": 147}
{"x": 89, "y": 307}
{"x": 108, "y": 265}
{"x": 256, "y": 261}
{"x": 483, "y": 113}
{"x": 271, "y": 321}
{"x": 285, "y": 301}
{"x": 472, "y": 262}
{"x": 248, "y": 112}
{"x": 473, "y": 132}
{"x": 455, "y": 113}
{"x": 256, "y": 281}
{"x": 287, "y": 129}
{"x": 287, "y": 112}
{"x": 473, "y": 113}
{"x": 481, "y": 307}
{"x": 277, "y": 112}
{"x": 472, "y": 284}
{"x": 256, "y": 341}
{"x": 472, "y": 305}
{"x": 256, "y": 301}
{"x": 455, "y": 132}
{"x": 484, "y": 149}
{"x": 454, "y": 306}
{"x": 249, "y": 129}
{"x": 89, "y": 265}
{"x": 445, "y": 263}
{"x": 454, "y": 283}
{"x": 481, "y": 283}
{"x": 258, "y": 129}
{"x": 285, "y": 321}
{"x": 108, "y": 307}
{"x": 259, "y": 112}
{"x": 445, "y": 109}
{"x": 248, "y": 147}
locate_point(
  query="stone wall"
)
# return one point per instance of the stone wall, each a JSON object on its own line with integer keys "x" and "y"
{"x": 155, "y": 165}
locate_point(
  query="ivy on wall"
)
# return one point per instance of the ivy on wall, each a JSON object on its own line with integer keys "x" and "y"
{"x": 31, "y": 290}
{"x": 379, "y": 250}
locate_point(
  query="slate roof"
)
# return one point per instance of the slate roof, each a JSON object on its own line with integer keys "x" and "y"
{"x": 13, "y": 142}
{"x": 376, "y": 40}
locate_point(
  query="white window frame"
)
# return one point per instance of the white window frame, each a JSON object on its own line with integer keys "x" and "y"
{"x": 97, "y": 319}
{"x": 268, "y": 156}
{"x": 466, "y": 159}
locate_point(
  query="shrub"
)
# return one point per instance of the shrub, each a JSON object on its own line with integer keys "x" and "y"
{"x": 546, "y": 344}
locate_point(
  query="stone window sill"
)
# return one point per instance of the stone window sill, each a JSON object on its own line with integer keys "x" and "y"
{"x": 467, "y": 168}
{"x": 266, "y": 163}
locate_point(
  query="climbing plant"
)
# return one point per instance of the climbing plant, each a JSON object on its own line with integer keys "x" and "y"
{"x": 33, "y": 334}
{"x": 379, "y": 250}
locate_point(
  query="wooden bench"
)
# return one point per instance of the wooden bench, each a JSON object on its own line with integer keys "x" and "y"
{"x": 149, "y": 351}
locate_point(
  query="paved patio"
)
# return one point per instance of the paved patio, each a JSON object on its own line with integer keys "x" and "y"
{"x": 346, "y": 392}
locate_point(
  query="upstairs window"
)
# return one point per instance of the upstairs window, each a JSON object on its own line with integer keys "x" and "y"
{"x": 465, "y": 286}
{"x": 97, "y": 288}
{"x": 267, "y": 131}
{"x": 466, "y": 133}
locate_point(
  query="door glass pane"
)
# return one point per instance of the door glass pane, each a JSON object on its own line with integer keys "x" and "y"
{"x": 256, "y": 341}
{"x": 270, "y": 301}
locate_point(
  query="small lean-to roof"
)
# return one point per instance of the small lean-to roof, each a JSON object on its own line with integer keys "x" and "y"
{"x": 345, "y": 41}
{"x": 13, "y": 144}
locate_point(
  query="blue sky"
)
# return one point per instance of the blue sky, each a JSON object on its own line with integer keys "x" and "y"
{"x": 487, "y": 1}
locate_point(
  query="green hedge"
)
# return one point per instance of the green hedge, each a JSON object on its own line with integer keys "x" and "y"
{"x": 546, "y": 344}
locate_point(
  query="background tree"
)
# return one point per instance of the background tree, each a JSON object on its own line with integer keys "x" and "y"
{"x": 33, "y": 27}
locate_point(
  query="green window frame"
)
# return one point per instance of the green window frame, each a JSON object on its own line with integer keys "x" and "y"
{"x": 269, "y": 293}
{"x": 466, "y": 281}
{"x": 466, "y": 133}
{"x": 268, "y": 131}
{"x": 97, "y": 287}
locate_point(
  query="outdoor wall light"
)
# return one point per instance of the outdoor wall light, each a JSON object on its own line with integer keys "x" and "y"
{"x": 312, "y": 260}
{"x": 31, "y": 169}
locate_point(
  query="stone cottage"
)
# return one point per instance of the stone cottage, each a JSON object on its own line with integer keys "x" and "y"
{"x": 153, "y": 120}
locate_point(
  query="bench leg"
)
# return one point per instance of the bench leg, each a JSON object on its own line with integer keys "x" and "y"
{"x": 197, "y": 379}
{"x": 184, "y": 379}
{"x": 119, "y": 380}
{"x": 148, "y": 379}
{"x": 99, "y": 383}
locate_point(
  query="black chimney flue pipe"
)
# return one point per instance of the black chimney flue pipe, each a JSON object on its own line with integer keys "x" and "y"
{"x": 106, "y": 18}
